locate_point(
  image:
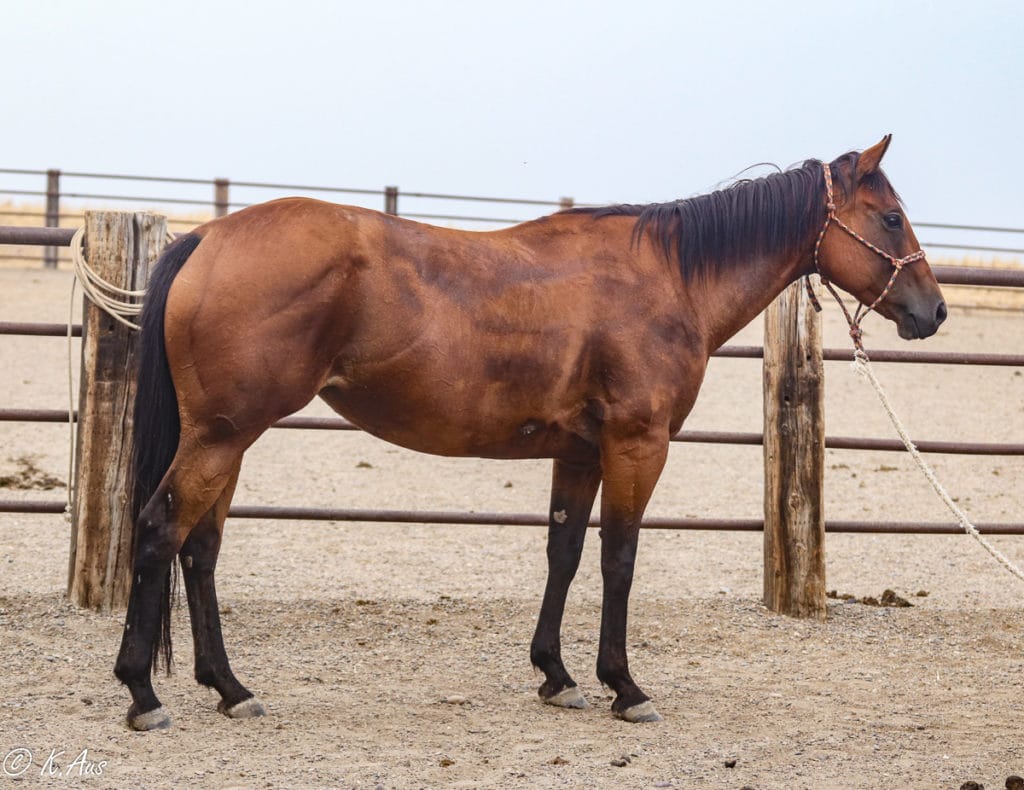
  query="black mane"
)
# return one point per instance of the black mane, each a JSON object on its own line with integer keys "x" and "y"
{"x": 750, "y": 218}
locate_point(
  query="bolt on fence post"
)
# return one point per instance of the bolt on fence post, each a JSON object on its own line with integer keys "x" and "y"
{"x": 794, "y": 457}
{"x": 220, "y": 196}
{"x": 50, "y": 254}
{"x": 120, "y": 247}
{"x": 391, "y": 200}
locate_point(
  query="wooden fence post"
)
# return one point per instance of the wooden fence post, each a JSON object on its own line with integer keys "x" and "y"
{"x": 391, "y": 200}
{"x": 50, "y": 254}
{"x": 221, "y": 201}
{"x": 120, "y": 247}
{"x": 794, "y": 457}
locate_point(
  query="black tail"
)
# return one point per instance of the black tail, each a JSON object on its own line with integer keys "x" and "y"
{"x": 156, "y": 416}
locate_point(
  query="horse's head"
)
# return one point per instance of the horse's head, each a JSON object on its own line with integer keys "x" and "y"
{"x": 877, "y": 242}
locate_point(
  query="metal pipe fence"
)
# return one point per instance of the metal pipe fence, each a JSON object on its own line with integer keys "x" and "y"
{"x": 218, "y": 201}
{"x": 947, "y": 275}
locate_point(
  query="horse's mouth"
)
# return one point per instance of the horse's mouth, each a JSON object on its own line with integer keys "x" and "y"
{"x": 911, "y": 327}
{"x": 907, "y": 327}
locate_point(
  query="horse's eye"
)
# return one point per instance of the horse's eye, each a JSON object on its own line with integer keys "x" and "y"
{"x": 893, "y": 220}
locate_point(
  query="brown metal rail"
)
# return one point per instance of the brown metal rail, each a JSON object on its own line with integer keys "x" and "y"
{"x": 39, "y": 330}
{"x": 726, "y": 352}
{"x": 53, "y": 237}
{"x": 534, "y": 520}
{"x": 692, "y": 437}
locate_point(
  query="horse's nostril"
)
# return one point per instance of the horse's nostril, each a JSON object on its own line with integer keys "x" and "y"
{"x": 941, "y": 312}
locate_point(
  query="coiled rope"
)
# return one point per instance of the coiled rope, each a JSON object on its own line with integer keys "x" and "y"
{"x": 121, "y": 304}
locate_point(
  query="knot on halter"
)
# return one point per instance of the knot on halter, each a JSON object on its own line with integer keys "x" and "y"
{"x": 897, "y": 263}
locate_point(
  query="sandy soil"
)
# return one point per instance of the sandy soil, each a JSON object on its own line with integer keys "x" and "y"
{"x": 397, "y": 656}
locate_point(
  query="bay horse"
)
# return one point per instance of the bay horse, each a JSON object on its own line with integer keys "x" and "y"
{"x": 582, "y": 337}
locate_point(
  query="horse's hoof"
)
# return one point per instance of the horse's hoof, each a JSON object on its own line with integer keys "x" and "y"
{"x": 570, "y": 697}
{"x": 156, "y": 719}
{"x": 246, "y": 709}
{"x": 642, "y": 712}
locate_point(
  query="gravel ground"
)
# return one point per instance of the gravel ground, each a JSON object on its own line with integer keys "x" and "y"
{"x": 397, "y": 656}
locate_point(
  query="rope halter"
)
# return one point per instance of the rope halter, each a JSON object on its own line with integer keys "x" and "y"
{"x": 897, "y": 263}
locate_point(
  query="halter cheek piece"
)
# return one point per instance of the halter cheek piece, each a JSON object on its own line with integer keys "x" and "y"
{"x": 897, "y": 264}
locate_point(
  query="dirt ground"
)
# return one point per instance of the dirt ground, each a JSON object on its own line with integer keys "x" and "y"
{"x": 398, "y": 656}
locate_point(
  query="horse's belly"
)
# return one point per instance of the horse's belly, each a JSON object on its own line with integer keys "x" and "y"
{"x": 458, "y": 426}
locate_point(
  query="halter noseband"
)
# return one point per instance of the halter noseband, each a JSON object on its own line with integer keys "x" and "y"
{"x": 897, "y": 263}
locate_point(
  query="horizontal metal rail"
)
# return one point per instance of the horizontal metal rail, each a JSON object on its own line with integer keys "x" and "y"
{"x": 973, "y": 275}
{"x": 535, "y": 520}
{"x": 948, "y": 275}
{"x": 38, "y": 329}
{"x": 460, "y": 218}
{"x": 137, "y": 199}
{"x": 54, "y": 237}
{"x": 690, "y": 437}
{"x": 364, "y": 191}
{"x": 268, "y": 185}
{"x": 981, "y": 228}
{"x": 974, "y": 247}
{"x": 725, "y": 352}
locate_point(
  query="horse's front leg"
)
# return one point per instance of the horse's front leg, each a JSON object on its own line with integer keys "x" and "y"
{"x": 631, "y": 466}
{"x": 573, "y": 489}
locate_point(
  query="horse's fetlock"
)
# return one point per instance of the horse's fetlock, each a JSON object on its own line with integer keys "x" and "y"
{"x": 610, "y": 675}
{"x": 205, "y": 676}
{"x": 540, "y": 657}
{"x": 128, "y": 672}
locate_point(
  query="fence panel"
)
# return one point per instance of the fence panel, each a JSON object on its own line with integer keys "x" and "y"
{"x": 101, "y": 561}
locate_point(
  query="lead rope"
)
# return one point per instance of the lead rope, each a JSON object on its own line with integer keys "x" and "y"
{"x": 862, "y": 366}
{"x": 121, "y": 304}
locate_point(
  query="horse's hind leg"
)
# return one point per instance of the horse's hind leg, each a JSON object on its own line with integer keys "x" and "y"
{"x": 193, "y": 484}
{"x": 198, "y": 564}
{"x": 572, "y": 498}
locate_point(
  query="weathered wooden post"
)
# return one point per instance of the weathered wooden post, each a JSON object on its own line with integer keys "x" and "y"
{"x": 391, "y": 200}
{"x": 50, "y": 254}
{"x": 119, "y": 246}
{"x": 221, "y": 202}
{"x": 794, "y": 457}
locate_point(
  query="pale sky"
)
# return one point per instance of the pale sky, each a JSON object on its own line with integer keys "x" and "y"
{"x": 603, "y": 101}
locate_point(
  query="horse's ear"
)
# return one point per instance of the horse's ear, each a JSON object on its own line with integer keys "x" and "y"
{"x": 871, "y": 158}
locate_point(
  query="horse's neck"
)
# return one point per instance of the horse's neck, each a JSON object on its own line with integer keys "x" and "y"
{"x": 732, "y": 299}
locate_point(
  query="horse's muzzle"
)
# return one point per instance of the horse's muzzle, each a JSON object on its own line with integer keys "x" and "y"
{"x": 919, "y": 323}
